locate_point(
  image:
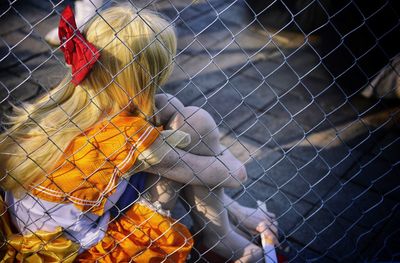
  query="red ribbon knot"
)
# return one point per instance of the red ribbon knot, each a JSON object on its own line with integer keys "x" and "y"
{"x": 78, "y": 52}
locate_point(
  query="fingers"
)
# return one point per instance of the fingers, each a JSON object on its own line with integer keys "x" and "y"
{"x": 270, "y": 230}
{"x": 264, "y": 210}
{"x": 271, "y": 226}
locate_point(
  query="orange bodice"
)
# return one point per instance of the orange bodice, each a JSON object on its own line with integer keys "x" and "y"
{"x": 94, "y": 162}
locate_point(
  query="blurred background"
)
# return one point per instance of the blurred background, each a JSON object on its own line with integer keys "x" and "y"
{"x": 305, "y": 93}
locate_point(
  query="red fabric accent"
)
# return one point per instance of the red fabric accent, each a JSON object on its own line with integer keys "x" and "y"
{"x": 282, "y": 258}
{"x": 78, "y": 52}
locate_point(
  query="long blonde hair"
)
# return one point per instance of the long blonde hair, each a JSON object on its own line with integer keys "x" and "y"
{"x": 136, "y": 55}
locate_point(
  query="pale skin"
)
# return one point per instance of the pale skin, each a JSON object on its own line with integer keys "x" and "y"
{"x": 199, "y": 172}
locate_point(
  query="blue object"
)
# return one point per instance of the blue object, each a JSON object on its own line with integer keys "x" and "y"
{"x": 131, "y": 194}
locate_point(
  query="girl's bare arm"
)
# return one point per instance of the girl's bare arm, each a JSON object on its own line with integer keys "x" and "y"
{"x": 222, "y": 170}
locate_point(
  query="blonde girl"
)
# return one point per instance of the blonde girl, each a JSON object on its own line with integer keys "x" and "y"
{"x": 72, "y": 162}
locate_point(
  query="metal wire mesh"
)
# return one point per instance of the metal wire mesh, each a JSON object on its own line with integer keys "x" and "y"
{"x": 283, "y": 81}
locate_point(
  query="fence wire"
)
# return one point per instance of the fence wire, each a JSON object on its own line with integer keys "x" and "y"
{"x": 304, "y": 93}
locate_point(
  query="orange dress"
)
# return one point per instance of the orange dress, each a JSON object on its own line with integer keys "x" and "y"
{"x": 84, "y": 183}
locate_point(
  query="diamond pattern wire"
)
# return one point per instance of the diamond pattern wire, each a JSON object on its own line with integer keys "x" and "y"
{"x": 298, "y": 93}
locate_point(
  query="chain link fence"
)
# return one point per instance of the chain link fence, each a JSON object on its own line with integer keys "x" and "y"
{"x": 304, "y": 93}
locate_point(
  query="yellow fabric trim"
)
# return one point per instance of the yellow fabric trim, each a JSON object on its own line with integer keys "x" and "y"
{"x": 39, "y": 247}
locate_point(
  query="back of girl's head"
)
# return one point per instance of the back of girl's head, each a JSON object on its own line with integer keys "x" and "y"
{"x": 136, "y": 55}
{"x": 137, "y": 48}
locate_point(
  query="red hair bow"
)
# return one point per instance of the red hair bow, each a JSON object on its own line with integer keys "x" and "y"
{"x": 78, "y": 52}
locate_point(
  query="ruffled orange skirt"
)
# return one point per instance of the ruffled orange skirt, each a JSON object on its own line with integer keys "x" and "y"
{"x": 142, "y": 235}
